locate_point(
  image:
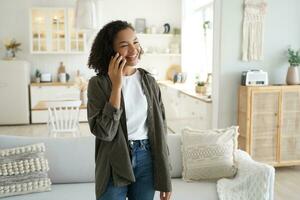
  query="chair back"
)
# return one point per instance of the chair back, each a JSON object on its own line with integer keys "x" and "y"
{"x": 63, "y": 116}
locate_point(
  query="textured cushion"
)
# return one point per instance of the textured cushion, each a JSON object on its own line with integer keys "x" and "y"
{"x": 71, "y": 160}
{"x": 209, "y": 154}
{"x": 174, "y": 144}
{"x": 23, "y": 170}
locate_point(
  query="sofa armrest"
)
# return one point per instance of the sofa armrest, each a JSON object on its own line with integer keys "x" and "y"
{"x": 254, "y": 180}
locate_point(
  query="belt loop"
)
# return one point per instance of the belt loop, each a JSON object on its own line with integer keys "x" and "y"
{"x": 142, "y": 145}
{"x": 131, "y": 143}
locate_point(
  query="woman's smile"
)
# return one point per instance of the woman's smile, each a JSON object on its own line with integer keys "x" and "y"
{"x": 132, "y": 58}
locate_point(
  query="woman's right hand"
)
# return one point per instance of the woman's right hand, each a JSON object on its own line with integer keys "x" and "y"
{"x": 115, "y": 70}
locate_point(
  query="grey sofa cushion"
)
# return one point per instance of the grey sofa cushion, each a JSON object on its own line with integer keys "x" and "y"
{"x": 200, "y": 190}
{"x": 70, "y": 160}
{"x": 174, "y": 144}
{"x": 85, "y": 191}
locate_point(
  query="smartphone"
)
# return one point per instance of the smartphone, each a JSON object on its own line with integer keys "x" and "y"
{"x": 119, "y": 56}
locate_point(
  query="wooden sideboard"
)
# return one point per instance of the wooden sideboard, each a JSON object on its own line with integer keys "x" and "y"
{"x": 269, "y": 123}
{"x": 40, "y": 93}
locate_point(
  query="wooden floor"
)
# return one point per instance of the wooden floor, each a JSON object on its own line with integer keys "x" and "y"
{"x": 287, "y": 181}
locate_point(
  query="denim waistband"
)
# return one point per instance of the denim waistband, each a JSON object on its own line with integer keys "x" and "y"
{"x": 138, "y": 143}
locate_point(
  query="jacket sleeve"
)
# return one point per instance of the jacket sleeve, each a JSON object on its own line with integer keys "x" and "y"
{"x": 162, "y": 107}
{"x": 103, "y": 118}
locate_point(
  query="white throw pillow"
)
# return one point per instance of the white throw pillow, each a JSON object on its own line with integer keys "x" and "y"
{"x": 209, "y": 154}
{"x": 23, "y": 170}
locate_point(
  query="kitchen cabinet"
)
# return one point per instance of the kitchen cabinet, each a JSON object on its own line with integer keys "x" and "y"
{"x": 52, "y": 31}
{"x": 184, "y": 109}
{"x": 14, "y": 81}
{"x": 40, "y": 93}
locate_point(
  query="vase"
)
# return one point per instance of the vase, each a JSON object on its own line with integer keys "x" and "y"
{"x": 9, "y": 54}
{"x": 83, "y": 97}
{"x": 37, "y": 79}
{"x": 200, "y": 89}
{"x": 292, "y": 77}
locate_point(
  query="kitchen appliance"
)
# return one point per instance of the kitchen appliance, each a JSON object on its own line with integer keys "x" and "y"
{"x": 14, "y": 94}
{"x": 46, "y": 77}
{"x": 254, "y": 77}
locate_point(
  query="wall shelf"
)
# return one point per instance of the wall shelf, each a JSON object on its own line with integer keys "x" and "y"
{"x": 163, "y": 54}
{"x": 157, "y": 35}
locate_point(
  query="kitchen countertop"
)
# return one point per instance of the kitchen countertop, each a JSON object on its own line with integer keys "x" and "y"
{"x": 42, "y": 105}
{"x": 52, "y": 84}
{"x": 187, "y": 89}
{"x": 184, "y": 88}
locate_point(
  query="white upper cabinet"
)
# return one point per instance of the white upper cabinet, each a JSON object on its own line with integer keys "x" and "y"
{"x": 77, "y": 38}
{"x": 52, "y": 31}
{"x": 57, "y": 30}
{"x": 39, "y": 33}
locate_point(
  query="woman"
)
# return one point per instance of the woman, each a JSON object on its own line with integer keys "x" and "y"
{"x": 126, "y": 114}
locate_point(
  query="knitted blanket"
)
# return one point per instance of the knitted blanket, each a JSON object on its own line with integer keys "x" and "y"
{"x": 253, "y": 181}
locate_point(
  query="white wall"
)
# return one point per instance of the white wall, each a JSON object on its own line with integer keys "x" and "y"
{"x": 14, "y": 23}
{"x": 282, "y": 28}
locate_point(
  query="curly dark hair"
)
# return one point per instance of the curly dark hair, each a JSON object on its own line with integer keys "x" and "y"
{"x": 102, "y": 48}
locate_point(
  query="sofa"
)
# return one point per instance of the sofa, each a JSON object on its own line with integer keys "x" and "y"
{"x": 71, "y": 163}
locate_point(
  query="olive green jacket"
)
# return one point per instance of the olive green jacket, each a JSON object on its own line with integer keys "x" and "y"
{"x": 108, "y": 124}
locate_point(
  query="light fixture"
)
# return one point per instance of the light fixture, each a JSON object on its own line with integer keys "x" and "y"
{"x": 85, "y": 15}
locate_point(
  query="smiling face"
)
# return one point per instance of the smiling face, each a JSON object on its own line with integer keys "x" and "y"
{"x": 128, "y": 46}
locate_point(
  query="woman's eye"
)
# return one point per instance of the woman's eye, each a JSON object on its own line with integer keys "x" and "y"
{"x": 136, "y": 42}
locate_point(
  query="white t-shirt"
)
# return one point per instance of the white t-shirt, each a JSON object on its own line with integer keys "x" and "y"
{"x": 136, "y": 107}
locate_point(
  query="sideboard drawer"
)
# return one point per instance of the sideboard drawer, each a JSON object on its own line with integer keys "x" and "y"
{"x": 48, "y": 93}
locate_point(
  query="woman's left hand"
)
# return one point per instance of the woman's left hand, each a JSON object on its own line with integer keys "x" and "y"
{"x": 165, "y": 195}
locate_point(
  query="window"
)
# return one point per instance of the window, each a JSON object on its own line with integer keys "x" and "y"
{"x": 197, "y": 38}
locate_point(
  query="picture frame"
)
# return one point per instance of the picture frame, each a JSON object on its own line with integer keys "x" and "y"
{"x": 140, "y": 25}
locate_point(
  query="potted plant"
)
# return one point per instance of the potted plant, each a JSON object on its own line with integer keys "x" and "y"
{"x": 12, "y": 47}
{"x": 37, "y": 76}
{"x": 200, "y": 87}
{"x": 292, "y": 77}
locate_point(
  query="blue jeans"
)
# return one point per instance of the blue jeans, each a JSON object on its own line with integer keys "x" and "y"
{"x": 143, "y": 187}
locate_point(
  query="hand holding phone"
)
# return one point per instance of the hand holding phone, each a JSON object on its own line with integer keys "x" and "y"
{"x": 115, "y": 70}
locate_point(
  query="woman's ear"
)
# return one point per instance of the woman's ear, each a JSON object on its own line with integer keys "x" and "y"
{"x": 141, "y": 51}
{"x": 113, "y": 53}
